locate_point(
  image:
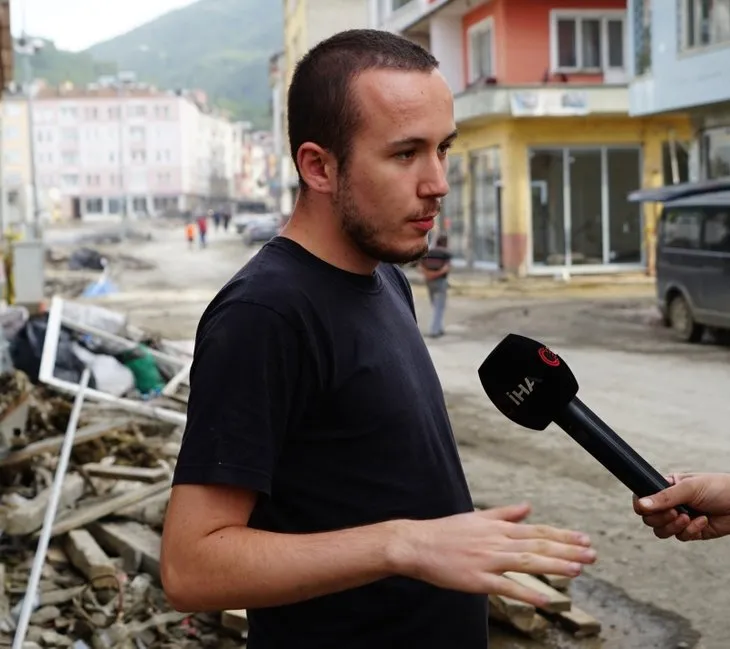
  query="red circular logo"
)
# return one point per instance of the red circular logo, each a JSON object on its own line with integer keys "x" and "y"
{"x": 548, "y": 357}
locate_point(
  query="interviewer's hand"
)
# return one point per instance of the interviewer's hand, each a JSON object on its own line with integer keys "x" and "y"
{"x": 470, "y": 552}
{"x": 708, "y": 493}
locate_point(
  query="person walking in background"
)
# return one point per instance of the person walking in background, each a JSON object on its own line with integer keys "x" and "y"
{"x": 190, "y": 234}
{"x": 435, "y": 266}
{"x": 202, "y": 229}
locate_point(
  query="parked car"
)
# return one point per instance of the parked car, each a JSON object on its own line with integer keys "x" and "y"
{"x": 247, "y": 211}
{"x": 693, "y": 257}
{"x": 261, "y": 229}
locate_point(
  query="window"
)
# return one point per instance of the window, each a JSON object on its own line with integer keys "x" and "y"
{"x": 705, "y": 22}
{"x": 715, "y": 152}
{"x": 642, "y": 35}
{"x": 716, "y": 236}
{"x": 70, "y": 180}
{"x": 94, "y": 205}
{"x": 681, "y": 229}
{"x": 397, "y": 4}
{"x": 589, "y": 42}
{"x": 481, "y": 50}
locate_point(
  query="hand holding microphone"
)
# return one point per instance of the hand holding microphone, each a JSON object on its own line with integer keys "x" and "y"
{"x": 707, "y": 492}
{"x": 533, "y": 386}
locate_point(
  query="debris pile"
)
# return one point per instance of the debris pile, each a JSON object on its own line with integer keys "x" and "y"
{"x": 559, "y": 610}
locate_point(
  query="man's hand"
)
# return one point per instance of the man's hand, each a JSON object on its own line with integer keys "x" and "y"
{"x": 708, "y": 493}
{"x": 470, "y": 552}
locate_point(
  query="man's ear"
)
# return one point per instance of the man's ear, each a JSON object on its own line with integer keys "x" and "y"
{"x": 317, "y": 168}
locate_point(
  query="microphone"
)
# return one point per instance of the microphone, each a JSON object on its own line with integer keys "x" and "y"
{"x": 532, "y": 386}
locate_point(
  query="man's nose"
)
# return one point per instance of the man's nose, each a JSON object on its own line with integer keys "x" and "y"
{"x": 434, "y": 183}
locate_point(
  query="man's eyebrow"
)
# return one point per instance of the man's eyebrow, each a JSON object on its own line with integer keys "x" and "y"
{"x": 420, "y": 141}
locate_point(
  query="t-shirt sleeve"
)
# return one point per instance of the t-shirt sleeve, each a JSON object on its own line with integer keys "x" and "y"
{"x": 248, "y": 387}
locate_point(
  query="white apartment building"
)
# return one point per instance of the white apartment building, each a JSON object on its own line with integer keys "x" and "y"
{"x": 102, "y": 147}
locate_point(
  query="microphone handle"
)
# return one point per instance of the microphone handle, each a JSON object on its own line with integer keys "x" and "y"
{"x": 596, "y": 437}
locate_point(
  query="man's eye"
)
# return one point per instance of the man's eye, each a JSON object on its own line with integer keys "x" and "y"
{"x": 405, "y": 155}
{"x": 444, "y": 148}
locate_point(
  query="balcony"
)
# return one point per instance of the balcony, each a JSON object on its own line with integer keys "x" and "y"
{"x": 412, "y": 18}
{"x": 499, "y": 102}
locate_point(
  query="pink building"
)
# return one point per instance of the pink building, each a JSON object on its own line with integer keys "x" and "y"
{"x": 100, "y": 148}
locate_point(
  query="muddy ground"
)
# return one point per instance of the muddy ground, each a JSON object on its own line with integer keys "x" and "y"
{"x": 665, "y": 398}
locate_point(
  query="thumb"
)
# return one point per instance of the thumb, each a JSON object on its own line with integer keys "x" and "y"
{"x": 511, "y": 513}
{"x": 681, "y": 493}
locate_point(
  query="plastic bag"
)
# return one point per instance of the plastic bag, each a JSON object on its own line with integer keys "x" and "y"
{"x": 26, "y": 351}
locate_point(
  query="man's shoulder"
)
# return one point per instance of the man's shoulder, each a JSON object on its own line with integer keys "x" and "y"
{"x": 272, "y": 279}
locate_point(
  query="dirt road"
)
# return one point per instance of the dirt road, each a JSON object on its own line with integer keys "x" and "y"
{"x": 666, "y": 399}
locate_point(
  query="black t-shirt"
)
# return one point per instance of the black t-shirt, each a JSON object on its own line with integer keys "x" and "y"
{"x": 436, "y": 259}
{"x": 313, "y": 386}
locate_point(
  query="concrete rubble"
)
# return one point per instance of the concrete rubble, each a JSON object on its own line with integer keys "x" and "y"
{"x": 100, "y": 583}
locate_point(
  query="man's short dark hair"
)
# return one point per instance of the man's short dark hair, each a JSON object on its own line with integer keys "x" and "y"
{"x": 320, "y": 103}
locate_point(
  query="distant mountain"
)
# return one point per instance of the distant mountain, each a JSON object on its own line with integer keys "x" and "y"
{"x": 220, "y": 46}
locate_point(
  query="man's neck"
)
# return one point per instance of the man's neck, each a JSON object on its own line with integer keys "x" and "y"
{"x": 318, "y": 231}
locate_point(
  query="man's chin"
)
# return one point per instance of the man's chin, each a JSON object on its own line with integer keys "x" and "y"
{"x": 402, "y": 256}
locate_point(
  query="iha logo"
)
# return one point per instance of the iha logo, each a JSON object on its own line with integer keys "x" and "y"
{"x": 548, "y": 357}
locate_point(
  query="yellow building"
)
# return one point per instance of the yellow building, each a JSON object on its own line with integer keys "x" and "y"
{"x": 547, "y": 152}
{"x": 306, "y": 23}
{"x": 16, "y": 168}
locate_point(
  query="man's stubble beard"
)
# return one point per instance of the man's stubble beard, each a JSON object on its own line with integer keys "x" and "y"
{"x": 366, "y": 236}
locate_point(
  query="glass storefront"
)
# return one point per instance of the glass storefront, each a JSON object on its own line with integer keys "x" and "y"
{"x": 715, "y": 149}
{"x": 484, "y": 166}
{"x": 580, "y": 211}
{"x": 452, "y": 219}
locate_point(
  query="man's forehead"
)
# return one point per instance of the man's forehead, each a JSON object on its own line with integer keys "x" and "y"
{"x": 397, "y": 98}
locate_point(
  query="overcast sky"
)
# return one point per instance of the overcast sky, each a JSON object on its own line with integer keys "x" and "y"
{"x": 76, "y": 24}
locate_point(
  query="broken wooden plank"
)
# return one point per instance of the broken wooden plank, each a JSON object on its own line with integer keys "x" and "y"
{"x": 53, "y": 444}
{"x": 520, "y": 615}
{"x": 60, "y": 596}
{"x": 85, "y": 515}
{"x": 28, "y": 517}
{"x": 121, "y": 472}
{"x": 558, "y": 601}
{"x": 138, "y": 545}
{"x": 150, "y": 511}
{"x": 86, "y": 554}
{"x": 558, "y": 582}
{"x": 580, "y": 623}
{"x": 235, "y": 620}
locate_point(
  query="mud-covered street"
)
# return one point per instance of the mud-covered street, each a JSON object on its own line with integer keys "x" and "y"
{"x": 667, "y": 399}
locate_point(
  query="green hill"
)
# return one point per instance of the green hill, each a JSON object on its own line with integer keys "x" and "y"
{"x": 220, "y": 46}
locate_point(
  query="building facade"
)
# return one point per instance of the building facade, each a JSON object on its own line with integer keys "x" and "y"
{"x": 102, "y": 151}
{"x": 306, "y": 23}
{"x": 258, "y": 169}
{"x": 681, "y": 63}
{"x": 547, "y": 151}
{"x": 16, "y": 193}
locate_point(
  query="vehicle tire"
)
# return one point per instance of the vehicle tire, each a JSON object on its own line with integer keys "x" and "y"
{"x": 682, "y": 321}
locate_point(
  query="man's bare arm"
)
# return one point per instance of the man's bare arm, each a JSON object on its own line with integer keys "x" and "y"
{"x": 212, "y": 561}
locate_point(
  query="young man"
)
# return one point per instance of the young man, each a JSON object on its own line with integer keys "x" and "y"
{"x": 319, "y": 484}
{"x": 435, "y": 266}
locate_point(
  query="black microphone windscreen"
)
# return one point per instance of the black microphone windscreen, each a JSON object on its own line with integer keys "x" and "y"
{"x": 527, "y": 382}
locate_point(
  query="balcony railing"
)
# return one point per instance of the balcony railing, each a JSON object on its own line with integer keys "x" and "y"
{"x": 540, "y": 101}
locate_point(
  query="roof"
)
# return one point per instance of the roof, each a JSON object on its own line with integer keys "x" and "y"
{"x": 708, "y": 199}
{"x": 680, "y": 190}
